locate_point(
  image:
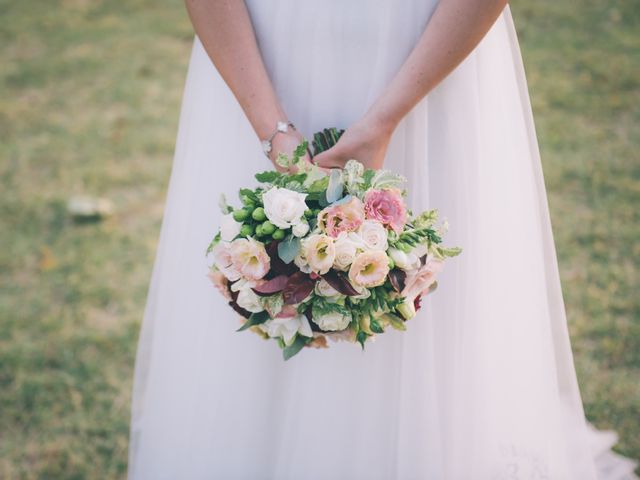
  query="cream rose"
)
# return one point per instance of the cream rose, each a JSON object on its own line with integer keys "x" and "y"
{"x": 374, "y": 235}
{"x": 369, "y": 269}
{"x": 301, "y": 229}
{"x": 333, "y": 321}
{"x": 325, "y": 290}
{"x": 405, "y": 261}
{"x": 346, "y": 247}
{"x": 283, "y": 207}
{"x": 319, "y": 251}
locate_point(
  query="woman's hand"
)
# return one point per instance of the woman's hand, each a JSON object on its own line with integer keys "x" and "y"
{"x": 366, "y": 140}
{"x": 286, "y": 143}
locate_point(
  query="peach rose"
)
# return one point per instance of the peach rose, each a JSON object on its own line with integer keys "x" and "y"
{"x": 369, "y": 269}
{"x": 346, "y": 217}
{"x": 220, "y": 282}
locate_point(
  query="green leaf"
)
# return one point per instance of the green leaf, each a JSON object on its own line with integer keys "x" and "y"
{"x": 254, "y": 319}
{"x": 297, "y": 345}
{"x": 319, "y": 186}
{"x": 288, "y": 248}
{"x": 375, "y": 326}
{"x": 250, "y": 194}
{"x": 269, "y": 176}
{"x": 361, "y": 337}
{"x": 395, "y": 321}
{"x": 213, "y": 243}
{"x": 449, "y": 251}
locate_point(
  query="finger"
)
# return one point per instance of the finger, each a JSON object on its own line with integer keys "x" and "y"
{"x": 328, "y": 160}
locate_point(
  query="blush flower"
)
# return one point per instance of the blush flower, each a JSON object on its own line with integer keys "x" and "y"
{"x": 220, "y": 282}
{"x": 224, "y": 262}
{"x": 319, "y": 252}
{"x": 250, "y": 258}
{"x": 386, "y": 206}
{"x": 419, "y": 280}
{"x": 369, "y": 269}
{"x": 346, "y": 217}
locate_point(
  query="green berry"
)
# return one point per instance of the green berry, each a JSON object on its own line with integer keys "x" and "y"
{"x": 268, "y": 228}
{"x": 309, "y": 213}
{"x": 259, "y": 215}
{"x": 246, "y": 230}
{"x": 240, "y": 215}
{"x": 278, "y": 234}
{"x": 259, "y": 232}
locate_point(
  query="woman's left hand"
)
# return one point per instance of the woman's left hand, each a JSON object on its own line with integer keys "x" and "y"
{"x": 366, "y": 141}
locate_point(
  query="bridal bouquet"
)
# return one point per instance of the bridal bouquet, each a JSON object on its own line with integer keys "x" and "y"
{"x": 311, "y": 255}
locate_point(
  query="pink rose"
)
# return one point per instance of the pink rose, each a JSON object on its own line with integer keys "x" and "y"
{"x": 419, "y": 280}
{"x": 346, "y": 217}
{"x": 386, "y": 206}
{"x": 250, "y": 258}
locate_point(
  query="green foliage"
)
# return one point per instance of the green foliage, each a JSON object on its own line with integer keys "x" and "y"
{"x": 254, "y": 319}
{"x": 290, "y": 350}
{"x": 289, "y": 248}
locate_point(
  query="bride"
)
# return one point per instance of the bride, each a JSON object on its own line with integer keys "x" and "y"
{"x": 482, "y": 386}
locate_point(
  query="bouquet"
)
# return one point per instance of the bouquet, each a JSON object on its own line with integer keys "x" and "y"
{"x": 312, "y": 255}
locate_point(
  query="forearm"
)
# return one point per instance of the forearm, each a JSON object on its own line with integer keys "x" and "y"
{"x": 225, "y": 30}
{"x": 454, "y": 30}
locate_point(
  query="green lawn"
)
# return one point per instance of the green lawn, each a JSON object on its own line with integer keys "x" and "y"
{"x": 90, "y": 100}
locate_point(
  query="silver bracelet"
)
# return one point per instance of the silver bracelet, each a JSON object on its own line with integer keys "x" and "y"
{"x": 280, "y": 127}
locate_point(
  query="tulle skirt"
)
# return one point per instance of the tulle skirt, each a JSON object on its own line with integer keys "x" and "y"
{"x": 481, "y": 386}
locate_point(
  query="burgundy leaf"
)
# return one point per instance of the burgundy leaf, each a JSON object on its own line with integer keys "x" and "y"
{"x": 278, "y": 267}
{"x": 339, "y": 281}
{"x": 275, "y": 285}
{"x": 417, "y": 302}
{"x": 397, "y": 278}
{"x": 298, "y": 287}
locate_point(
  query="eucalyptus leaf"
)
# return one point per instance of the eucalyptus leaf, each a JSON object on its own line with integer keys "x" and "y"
{"x": 288, "y": 248}
{"x": 336, "y": 186}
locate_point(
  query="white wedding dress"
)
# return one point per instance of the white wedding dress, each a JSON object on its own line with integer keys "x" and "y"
{"x": 481, "y": 386}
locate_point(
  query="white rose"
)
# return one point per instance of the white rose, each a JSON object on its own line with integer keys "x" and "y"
{"x": 405, "y": 261}
{"x": 301, "y": 229}
{"x": 374, "y": 235}
{"x": 283, "y": 207}
{"x": 229, "y": 228}
{"x": 248, "y": 300}
{"x": 346, "y": 247}
{"x": 333, "y": 321}
{"x": 325, "y": 290}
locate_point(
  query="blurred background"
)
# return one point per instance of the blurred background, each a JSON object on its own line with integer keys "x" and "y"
{"x": 89, "y": 102}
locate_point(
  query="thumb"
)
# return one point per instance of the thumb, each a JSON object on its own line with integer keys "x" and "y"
{"x": 328, "y": 159}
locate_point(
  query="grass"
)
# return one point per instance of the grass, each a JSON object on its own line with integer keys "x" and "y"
{"x": 90, "y": 100}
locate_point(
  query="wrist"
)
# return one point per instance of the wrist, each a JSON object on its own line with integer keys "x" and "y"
{"x": 381, "y": 122}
